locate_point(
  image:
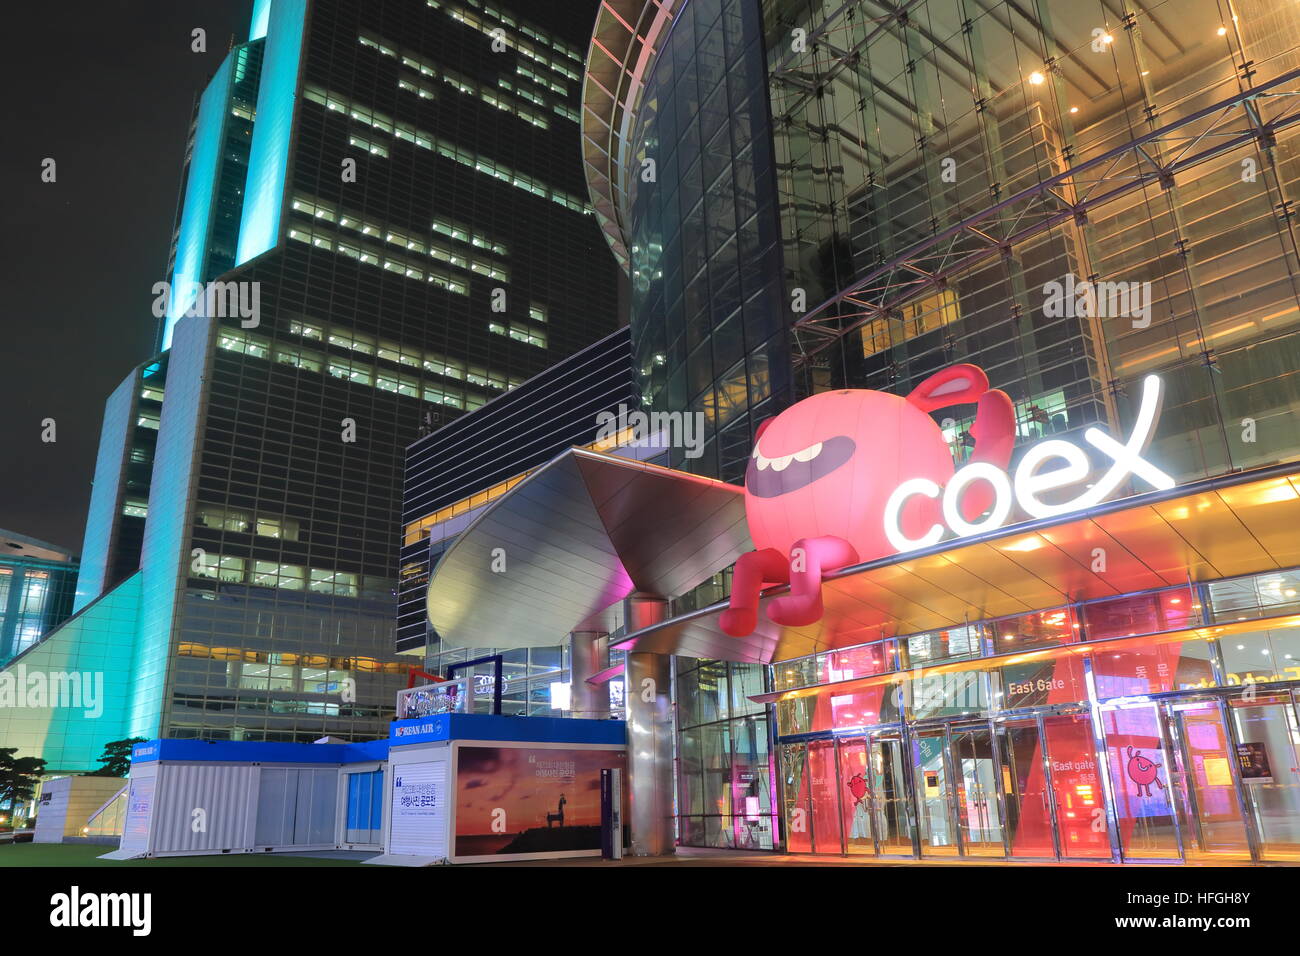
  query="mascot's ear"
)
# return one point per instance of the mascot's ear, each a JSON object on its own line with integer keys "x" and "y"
{"x": 955, "y": 385}
{"x": 762, "y": 427}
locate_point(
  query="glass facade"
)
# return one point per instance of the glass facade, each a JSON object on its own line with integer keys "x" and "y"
{"x": 709, "y": 326}
{"x": 724, "y": 759}
{"x": 944, "y": 183}
{"x": 1071, "y": 199}
{"x": 69, "y": 725}
{"x": 1149, "y": 726}
{"x": 35, "y": 596}
{"x": 379, "y": 304}
{"x": 528, "y": 678}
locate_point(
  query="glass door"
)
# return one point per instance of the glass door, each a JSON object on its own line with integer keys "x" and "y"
{"x": 934, "y": 794}
{"x": 794, "y": 799}
{"x": 890, "y": 804}
{"x": 1140, "y": 762}
{"x": 1024, "y": 781}
{"x": 823, "y": 787}
{"x": 1268, "y": 755}
{"x": 1213, "y": 825}
{"x": 1076, "y": 792}
{"x": 979, "y": 810}
{"x": 856, "y": 797}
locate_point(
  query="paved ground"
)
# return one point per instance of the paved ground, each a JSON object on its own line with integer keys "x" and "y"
{"x": 81, "y": 855}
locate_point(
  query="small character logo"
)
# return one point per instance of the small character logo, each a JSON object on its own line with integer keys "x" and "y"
{"x": 1143, "y": 772}
{"x": 858, "y": 787}
{"x": 861, "y": 828}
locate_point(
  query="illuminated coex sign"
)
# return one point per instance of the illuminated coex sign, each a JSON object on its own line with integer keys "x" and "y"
{"x": 1033, "y": 477}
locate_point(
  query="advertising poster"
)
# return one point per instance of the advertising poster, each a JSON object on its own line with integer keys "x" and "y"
{"x": 419, "y": 810}
{"x": 520, "y": 800}
{"x": 139, "y": 808}
{"x": 1252, "y": 758}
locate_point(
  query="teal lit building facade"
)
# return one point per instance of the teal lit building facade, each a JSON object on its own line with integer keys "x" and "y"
{"x": 242, "y": 541}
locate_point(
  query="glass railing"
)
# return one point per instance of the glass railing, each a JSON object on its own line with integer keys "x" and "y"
{"x": 105, "y": 824}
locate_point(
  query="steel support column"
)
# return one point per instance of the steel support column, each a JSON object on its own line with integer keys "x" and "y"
{"x": 649, "y": 735}
{"x": 588, "y": 656}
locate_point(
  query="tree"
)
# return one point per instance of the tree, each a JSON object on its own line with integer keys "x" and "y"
{"x": 116, "y": 758}
{"x": 18, "y": 776}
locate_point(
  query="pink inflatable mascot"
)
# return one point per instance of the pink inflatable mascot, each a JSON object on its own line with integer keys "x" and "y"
{"x": 821, "y": 474}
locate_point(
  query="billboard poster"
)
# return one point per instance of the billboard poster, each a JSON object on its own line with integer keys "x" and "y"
{"x": 419, "y": 809}
{"x": 1252, "y": 758}
{"x": 525, "y": 800}
{"x": 139, "y": 810}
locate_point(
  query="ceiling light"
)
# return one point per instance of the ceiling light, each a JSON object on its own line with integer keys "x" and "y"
{"x": 1036, "y": 78}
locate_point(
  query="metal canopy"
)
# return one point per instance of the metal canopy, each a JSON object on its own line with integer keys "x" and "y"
{"x": 575, "y": 537}
{"x": 1242, "y": 524}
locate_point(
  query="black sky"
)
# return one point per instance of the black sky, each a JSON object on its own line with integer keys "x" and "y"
{"x": 106, "y": 89}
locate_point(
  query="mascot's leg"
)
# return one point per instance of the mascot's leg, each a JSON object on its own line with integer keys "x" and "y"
{"x": 753, "y": 569}
{"x": 809, "y": 558}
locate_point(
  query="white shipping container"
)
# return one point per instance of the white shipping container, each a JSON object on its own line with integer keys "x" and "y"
{"x": 194, "y": 808}
{"x": 202, "y": 808}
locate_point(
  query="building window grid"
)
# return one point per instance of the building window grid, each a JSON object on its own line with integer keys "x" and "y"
{"x": 426, "y": 140}
{"x": 523, "y": 46}
{"x": 363, "y": 373}
{"x": 319, "y": 209}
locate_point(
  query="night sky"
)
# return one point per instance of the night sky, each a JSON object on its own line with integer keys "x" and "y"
{"x": 106, "y": 89}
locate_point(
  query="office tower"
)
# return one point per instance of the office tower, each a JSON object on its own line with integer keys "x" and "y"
{"x": 385, "y": 204}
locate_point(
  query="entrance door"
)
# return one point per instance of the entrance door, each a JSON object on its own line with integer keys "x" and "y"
{"x": 1213, "y": 825}
{"x": 890, "y": 806}
{"x": 937, "y": 832}
{"x": 979, "y": 811}
{"x": 1024, "y": 781}
{"x": 1142, "y": 771}
{"x": 794, "y": 798}
{"x": 856, "y": 796}
{"x": 1268, "y": 755}
{"x": 1076, "y": 788}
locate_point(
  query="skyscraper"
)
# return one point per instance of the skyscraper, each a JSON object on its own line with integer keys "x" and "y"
{"x": 383, "y": 210}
